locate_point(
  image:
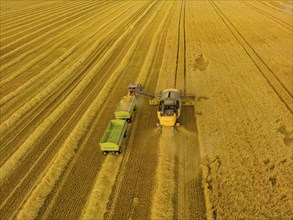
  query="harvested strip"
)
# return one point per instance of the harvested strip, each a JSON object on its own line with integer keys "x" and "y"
{"x": 97, "y": 203}
{"x": 163, "y": 207}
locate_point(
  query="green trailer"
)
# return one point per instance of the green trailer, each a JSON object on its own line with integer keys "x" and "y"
{"x": 113, "y": 136}
{"x": 125, "y": 108}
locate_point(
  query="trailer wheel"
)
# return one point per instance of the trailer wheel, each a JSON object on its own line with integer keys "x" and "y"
{"x": 128, "y": 120}
{"x": 105, "y": 153}
{"x": 117, "y": 153}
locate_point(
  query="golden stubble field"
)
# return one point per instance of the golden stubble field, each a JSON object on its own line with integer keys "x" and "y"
{"x": 65, "y": 65}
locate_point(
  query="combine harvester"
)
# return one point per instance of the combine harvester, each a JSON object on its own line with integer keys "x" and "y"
{"x": 169, "y": 104}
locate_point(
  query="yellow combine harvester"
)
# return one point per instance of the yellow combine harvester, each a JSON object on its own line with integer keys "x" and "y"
{"x": 169, "y": 104}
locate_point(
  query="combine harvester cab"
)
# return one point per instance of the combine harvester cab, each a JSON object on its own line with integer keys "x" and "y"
{"x": 113, "y": 136}
{"x": 125, "y": 108}
{"x": 169, "y": 107}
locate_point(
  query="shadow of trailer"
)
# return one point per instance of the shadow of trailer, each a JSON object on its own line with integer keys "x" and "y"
{"x": 113, "y": 136}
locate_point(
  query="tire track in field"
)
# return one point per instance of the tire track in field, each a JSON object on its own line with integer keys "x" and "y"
{"x": 80, "y": 129}
{"x": 180, "y": 69}
{"x": 79, "y": 114}
{"x": 178, "y": 45}
{"x": 268, "y": 15}
{"x": 272, "y": 79}
{"x": 24, "y": 30}
{"x": 30, "y": 20}
{"x": 39, "y": 34}
{"x": 184, "y": 47}
{"x": 45, "y": 50}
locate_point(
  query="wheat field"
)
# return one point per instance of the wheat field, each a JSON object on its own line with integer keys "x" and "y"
{"x": 66, "y": 64}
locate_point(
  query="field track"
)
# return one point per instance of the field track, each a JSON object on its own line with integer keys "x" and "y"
{"x": 65, "y": 65}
